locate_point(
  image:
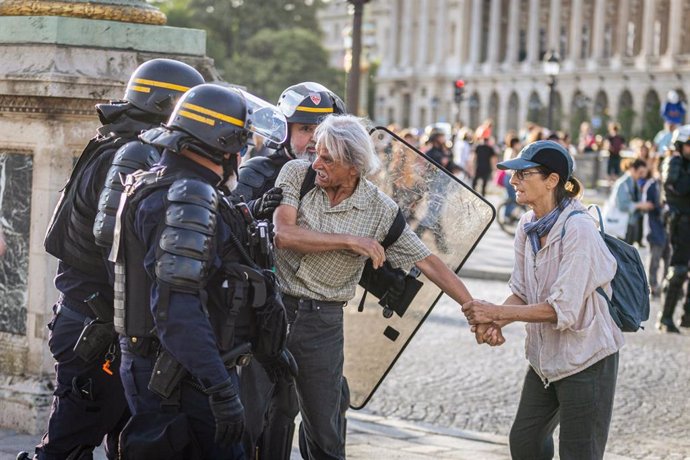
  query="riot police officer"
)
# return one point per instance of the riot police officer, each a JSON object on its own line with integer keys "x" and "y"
{"x": 89, "y": 402}
{"x": 188, "y": 297}
{"x": 304, "y": 106}
{"x": 272, "y": 398}
{"x": 675, "y": 175}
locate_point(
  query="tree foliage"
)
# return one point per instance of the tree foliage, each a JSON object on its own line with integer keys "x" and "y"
{"x": 273, "y": 60}
{"x": 265, "y": 45}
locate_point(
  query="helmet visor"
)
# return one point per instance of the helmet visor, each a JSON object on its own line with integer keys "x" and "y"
{"x": 265, "y": 119}
{"x": 292, "y": 98}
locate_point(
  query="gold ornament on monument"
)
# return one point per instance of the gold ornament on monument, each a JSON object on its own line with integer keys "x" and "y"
{"x": 123, "y": 11}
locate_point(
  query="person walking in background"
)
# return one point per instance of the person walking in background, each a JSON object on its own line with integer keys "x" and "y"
{"x": 572, "y": 341}
{"x": 462, "y": 153}
{"x": 653, "y": 231}
{"x": 510, "y": 152}
{"x": 622, "y": 212}
{"x": 615, "y": 143}
{"x": 484, "y": 160}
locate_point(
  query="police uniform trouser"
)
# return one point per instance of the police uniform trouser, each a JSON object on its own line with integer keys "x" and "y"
{"x": 316, "y": 342}
{"x": 678, "y": 230}
{"x": 89, "y": 403}
{"x": 136, "y": 373}
{"x": 270, "y": 412}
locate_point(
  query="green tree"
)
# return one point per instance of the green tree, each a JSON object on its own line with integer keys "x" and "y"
{"x": 273, "y": 60}
{"x": 230, "y": 23}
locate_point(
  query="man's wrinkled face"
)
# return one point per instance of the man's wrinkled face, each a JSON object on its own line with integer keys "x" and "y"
{"x": 302, "y": 142}
{"x": 331, "y": 173}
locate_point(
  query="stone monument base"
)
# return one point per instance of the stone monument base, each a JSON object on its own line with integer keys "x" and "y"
{"x": 53, "y": 70}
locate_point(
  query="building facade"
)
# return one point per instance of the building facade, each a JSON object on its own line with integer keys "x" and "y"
{"x": 618, "y": 60}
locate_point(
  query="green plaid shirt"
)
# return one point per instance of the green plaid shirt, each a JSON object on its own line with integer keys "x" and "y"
{"x": 333, "y": 275}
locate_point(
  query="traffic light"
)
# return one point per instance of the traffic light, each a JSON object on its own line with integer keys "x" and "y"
{"x": 459, "y": 88}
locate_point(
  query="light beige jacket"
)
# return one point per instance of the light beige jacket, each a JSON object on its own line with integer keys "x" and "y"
{"x": 565, "y": 274}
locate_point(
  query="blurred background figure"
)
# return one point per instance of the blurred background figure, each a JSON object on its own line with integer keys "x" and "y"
{"x": 587, "y": 141}
{"x": 485, "y": 159}
{"x": 615, "y": 143}
{"x": 512, "y": 150}
{"x": 462, "y": 153}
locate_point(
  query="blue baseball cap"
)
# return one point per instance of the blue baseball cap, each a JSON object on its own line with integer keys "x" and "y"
{"x": 542, "y": 153}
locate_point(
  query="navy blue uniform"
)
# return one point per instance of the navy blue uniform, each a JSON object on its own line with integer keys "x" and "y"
{"x": 89, "y": 403}
{"x": 186, "y": 332}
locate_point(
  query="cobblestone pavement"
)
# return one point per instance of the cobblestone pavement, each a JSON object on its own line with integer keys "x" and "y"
{"x": 445, "y": 379}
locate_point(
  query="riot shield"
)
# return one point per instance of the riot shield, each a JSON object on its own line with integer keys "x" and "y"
{"x": 450, "y": 219}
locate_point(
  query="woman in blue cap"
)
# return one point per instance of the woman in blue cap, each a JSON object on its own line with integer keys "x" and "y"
{"x": 572, "y": 341}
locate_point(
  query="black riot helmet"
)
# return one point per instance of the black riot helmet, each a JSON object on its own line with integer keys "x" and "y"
{"x": 156, "y": 85}
{"x": 308, "y": 103}
{"x": 213, "y": 120}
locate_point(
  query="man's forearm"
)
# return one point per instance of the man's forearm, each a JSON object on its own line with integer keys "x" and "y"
{"x": 444, "y": 278}
{"x": 305, "y": 241}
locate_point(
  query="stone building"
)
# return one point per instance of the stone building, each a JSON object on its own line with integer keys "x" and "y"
{"x": 618, "y": 59}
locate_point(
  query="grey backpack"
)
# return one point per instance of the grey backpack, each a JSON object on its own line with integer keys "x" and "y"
{"x": 629, "y": 304}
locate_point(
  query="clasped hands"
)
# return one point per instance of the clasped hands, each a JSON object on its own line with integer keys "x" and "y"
{"x": 482, "y": 317}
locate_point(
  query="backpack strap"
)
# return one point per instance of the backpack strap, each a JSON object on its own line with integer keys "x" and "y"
{"x": 308, "y": 182}
{"x": 601, "y": 219}
{"x": 395, "y": 231}
{"x": 599, "y": 290}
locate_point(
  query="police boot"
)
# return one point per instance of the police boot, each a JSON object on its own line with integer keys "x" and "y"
{"x": 25, "y": 456}
{"x": 685, "y": 319}
{"x": 673, "y": 289}
{"x": 665, "y": 322}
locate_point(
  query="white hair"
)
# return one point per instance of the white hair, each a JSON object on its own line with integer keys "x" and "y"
{"x": 348, "y": 141}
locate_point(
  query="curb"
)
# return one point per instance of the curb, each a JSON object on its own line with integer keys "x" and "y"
{"x": 426, "y": 428}
{"x": 488, "y": 275}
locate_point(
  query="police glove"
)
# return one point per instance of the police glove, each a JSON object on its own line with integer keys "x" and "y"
{"x": 283, "y": 366}
{"x": 228, "y": 412}
{"x": 264, "y": 206}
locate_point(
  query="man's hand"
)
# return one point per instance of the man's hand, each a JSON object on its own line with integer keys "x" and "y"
{"x": 228, "y": 412}
{"x": 480, "y": 312}
{"x": 265, "y": 205}
{"x": 370, "y": 248}
{"x": 489, "y": 333}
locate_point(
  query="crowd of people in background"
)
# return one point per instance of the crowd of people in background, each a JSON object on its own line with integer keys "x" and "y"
{"x": 629, "y": 171}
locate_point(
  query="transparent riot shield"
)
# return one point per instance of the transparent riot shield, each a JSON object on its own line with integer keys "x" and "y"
{"x": 450, "y": 219}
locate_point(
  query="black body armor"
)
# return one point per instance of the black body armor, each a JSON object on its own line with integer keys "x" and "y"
{"x": 257, "y": 175}
{"x": 675, "y": 173}
{"x": 130, "y": 157}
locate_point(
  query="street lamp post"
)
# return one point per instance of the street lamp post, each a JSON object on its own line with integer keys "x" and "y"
{"x": 353, "y": 76}
{"x": 552, "y": 65}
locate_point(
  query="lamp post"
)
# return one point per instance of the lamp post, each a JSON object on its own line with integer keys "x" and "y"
{"x": 552, "y": 65}
{"x": 353, "y": 76}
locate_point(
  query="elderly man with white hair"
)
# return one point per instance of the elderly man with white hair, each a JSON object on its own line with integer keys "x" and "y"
{"x": 323, "y": 241}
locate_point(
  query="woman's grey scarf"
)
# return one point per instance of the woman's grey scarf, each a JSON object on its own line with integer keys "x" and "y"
{"x": 539, "y": 228}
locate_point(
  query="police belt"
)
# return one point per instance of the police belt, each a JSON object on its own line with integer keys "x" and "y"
{"x": 74, "y": 309}
{"x": 311, "y": 304}
{"x": 145, "y": 347}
